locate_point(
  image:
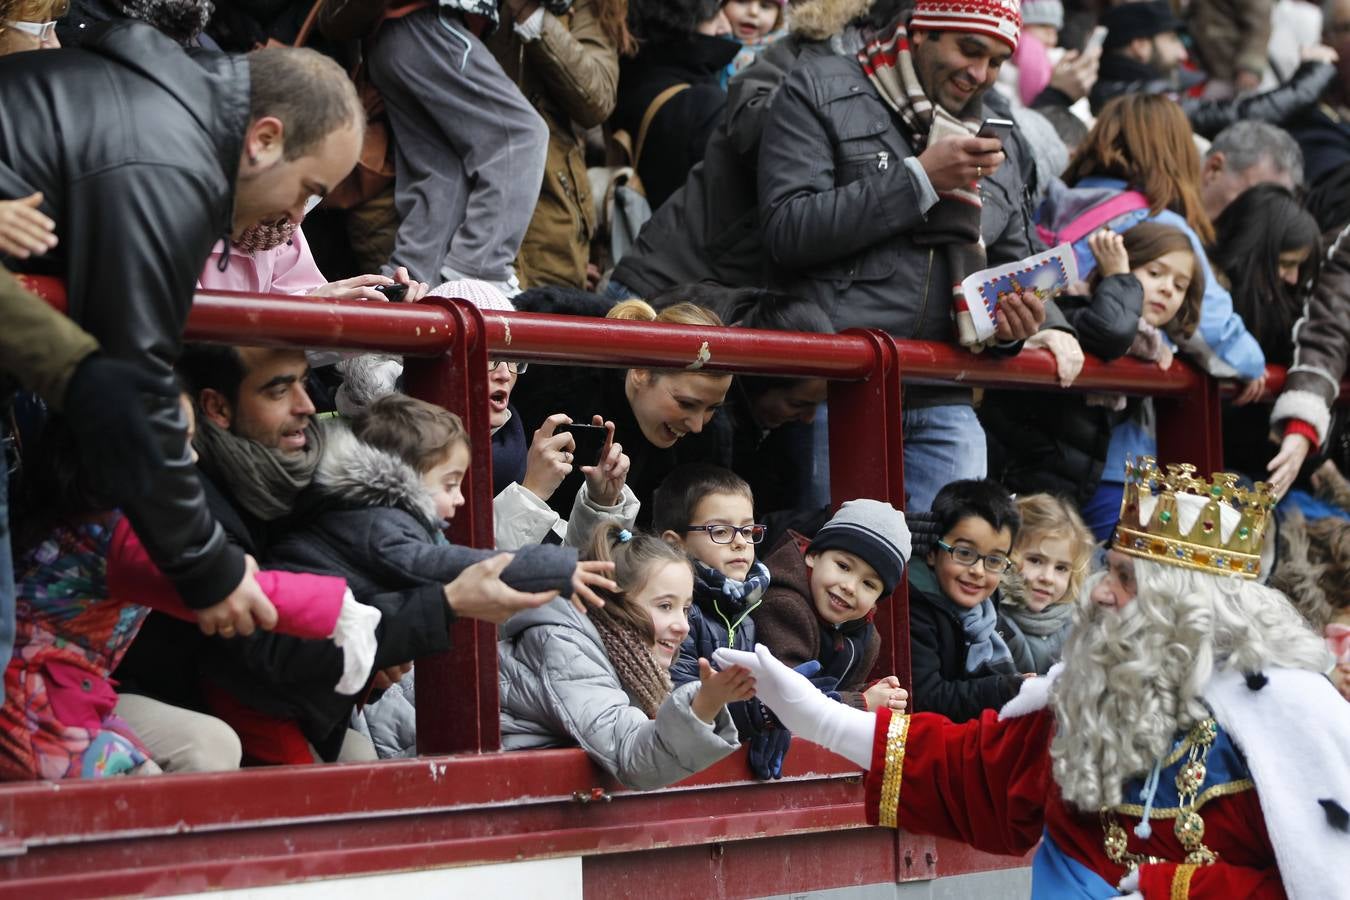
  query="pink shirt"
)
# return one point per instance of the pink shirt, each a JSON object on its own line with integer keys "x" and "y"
{"x": 285, "y": 269}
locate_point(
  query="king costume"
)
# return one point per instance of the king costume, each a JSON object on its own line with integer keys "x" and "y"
{"x": 1250, "y": 800}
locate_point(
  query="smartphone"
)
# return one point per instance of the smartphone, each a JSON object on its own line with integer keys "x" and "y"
{"x": 590, "y": 442}
{"x": 996, "y": 128}
{"x": 394, "y": 292}
{"x": 1096, "y": 39}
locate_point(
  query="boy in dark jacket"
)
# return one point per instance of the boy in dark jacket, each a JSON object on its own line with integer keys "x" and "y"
{"x": 960, "y": 663}
{"x": 822, "y": 600}
{"x": 709, "y": 512}
{"x": 381, "y": 495}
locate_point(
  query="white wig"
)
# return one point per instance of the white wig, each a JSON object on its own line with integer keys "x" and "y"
{"x": 1133, "y": 678}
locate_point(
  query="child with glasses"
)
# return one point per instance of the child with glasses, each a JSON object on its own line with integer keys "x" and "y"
{"x": 825, "y": 595}
{"x": 709, "y": 513}
{"x": 960, "y": 662}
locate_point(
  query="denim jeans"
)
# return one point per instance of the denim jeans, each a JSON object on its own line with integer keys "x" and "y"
{"x": 6, "y": 561}
{"x": 618, "y": 291}
{"x": 942, "y": 444}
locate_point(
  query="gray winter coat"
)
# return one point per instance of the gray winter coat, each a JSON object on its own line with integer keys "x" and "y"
{"x": 558, "y": 689}
{"x": 839, "y": 209}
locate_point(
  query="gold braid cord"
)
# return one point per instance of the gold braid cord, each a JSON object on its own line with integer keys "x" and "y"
{"x": 1181, "y": 881}
{"x": 896, "y": 733}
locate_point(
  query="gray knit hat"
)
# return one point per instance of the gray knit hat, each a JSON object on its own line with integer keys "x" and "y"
{"x": 873, "y": 530}
{"x": 1043, "y": 12}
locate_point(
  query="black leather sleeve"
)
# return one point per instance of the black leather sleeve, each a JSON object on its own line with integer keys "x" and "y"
{"x": 141, "y": 233}
{"x": 1277, "y": 106}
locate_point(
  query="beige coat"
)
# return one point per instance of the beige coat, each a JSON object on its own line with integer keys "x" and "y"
{"x": 571, "y": 75}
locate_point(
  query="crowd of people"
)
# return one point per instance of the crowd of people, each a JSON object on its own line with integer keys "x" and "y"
{"x": 214, "y": 556}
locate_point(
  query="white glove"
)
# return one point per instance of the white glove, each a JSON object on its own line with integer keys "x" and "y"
{"x": 355, "y": 634}
{"x": 802, "y": 708}
{"x": 1129, "y": 886}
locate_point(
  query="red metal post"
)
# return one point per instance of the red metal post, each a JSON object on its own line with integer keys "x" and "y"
{"x": 457, "y": 709}
{"x": 866, "y": 460}
{"x": 1190, "y": 428}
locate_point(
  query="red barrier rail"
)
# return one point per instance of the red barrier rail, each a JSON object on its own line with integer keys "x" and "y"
{"x": 269, "y": 826}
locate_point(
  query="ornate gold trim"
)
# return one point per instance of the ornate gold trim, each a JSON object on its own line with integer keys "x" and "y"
{"x": 1218, "y": 790}
{"x": 896, "y": 734}
{"x": 1181, "y": 881}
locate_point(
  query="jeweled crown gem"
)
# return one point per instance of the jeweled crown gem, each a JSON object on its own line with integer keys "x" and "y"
{"x": 1153, "y": 492}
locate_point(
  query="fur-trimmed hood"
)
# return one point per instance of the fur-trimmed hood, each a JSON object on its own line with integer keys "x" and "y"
{"x": 355, "y": 474}
{"x": 821, "y": 19}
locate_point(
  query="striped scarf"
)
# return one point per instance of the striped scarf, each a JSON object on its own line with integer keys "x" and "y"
{"x": 954, "y": 223}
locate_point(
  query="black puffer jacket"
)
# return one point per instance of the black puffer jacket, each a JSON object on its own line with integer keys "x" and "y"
{"x": 1056, "y": 442}
{"x": 709, "y": 228}
{"x": 1122, "y": 75}
{"x": 679, "y": 131}
{"x": 135, "y": 146}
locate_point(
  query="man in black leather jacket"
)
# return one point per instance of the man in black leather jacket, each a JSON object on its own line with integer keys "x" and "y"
{"x": 1143, "y": 55}
{"x": 146, "y": 156}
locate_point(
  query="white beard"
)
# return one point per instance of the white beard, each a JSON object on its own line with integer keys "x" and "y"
{"x": 1132, "y": 679}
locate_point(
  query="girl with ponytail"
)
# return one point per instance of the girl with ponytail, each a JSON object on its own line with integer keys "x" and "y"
{"x": 602, "y": 681}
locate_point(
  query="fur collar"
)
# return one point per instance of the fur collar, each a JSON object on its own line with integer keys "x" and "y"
{"x": 359, "y": 475}
{"x": 821, "y": 19}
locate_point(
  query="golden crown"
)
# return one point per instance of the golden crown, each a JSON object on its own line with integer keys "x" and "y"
{"x": 1224, "y": 522}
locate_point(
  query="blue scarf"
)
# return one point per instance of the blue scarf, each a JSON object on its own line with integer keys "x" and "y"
{"x": 985, "y": 646}
{"x": 742, "y": 597}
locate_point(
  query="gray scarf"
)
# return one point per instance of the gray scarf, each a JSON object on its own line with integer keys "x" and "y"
{"x": 1044, "y": 623}
{"x": 261, "y": 480}
{"x": 987, "y": 647}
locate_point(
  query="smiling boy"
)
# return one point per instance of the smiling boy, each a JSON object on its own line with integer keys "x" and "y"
{"x": 709, "y": 512}
{"x": 960, "y": 663}
{"x": 821, "y": 603}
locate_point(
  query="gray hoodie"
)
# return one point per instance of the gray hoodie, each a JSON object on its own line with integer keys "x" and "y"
{"x": 558, "y": 688}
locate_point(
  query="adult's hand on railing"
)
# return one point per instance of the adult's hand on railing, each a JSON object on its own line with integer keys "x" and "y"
{"x": 479, "y": 592}
{"x": 1066, "y": 350}
{"x": 1285, "y": 465}
{"x": 245, "y": 609}
{"x": 1019, "y": 317}
{"x": 1251, "y": 391}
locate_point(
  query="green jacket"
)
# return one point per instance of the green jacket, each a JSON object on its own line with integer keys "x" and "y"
{"x": 39, "y": 346}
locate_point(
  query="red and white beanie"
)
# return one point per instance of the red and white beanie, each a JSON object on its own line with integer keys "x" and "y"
{"x": 998, "y": 19}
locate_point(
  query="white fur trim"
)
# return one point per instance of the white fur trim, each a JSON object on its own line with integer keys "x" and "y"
{"x": 1295, "y": 734}
{"x": 1305, "y": 406}
{"x": 1034, "y": 695}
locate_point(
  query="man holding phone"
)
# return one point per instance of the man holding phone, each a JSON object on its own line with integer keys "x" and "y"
{"x": 926, "y": 188}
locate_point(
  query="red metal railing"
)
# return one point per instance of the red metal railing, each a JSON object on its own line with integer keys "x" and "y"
{"x": 269, "y": 826}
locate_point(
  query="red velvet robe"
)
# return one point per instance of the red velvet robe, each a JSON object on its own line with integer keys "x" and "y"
{"x": 988, "y": 783}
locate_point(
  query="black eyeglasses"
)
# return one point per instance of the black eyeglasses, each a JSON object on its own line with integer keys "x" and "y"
{"x": 515, "y": 368}
{"x": 968, "y": 557}
{"x": 725, "y": 534}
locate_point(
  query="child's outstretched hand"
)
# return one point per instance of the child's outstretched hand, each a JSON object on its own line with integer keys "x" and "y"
{"x": 1109, "y": 248}
{"x": 589, "y": 575}
{"x": 604, "y": 482}
{"x": 720, "y": 688}
{"x": 887, "y": 693}
{"x": 24, "y": 231}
